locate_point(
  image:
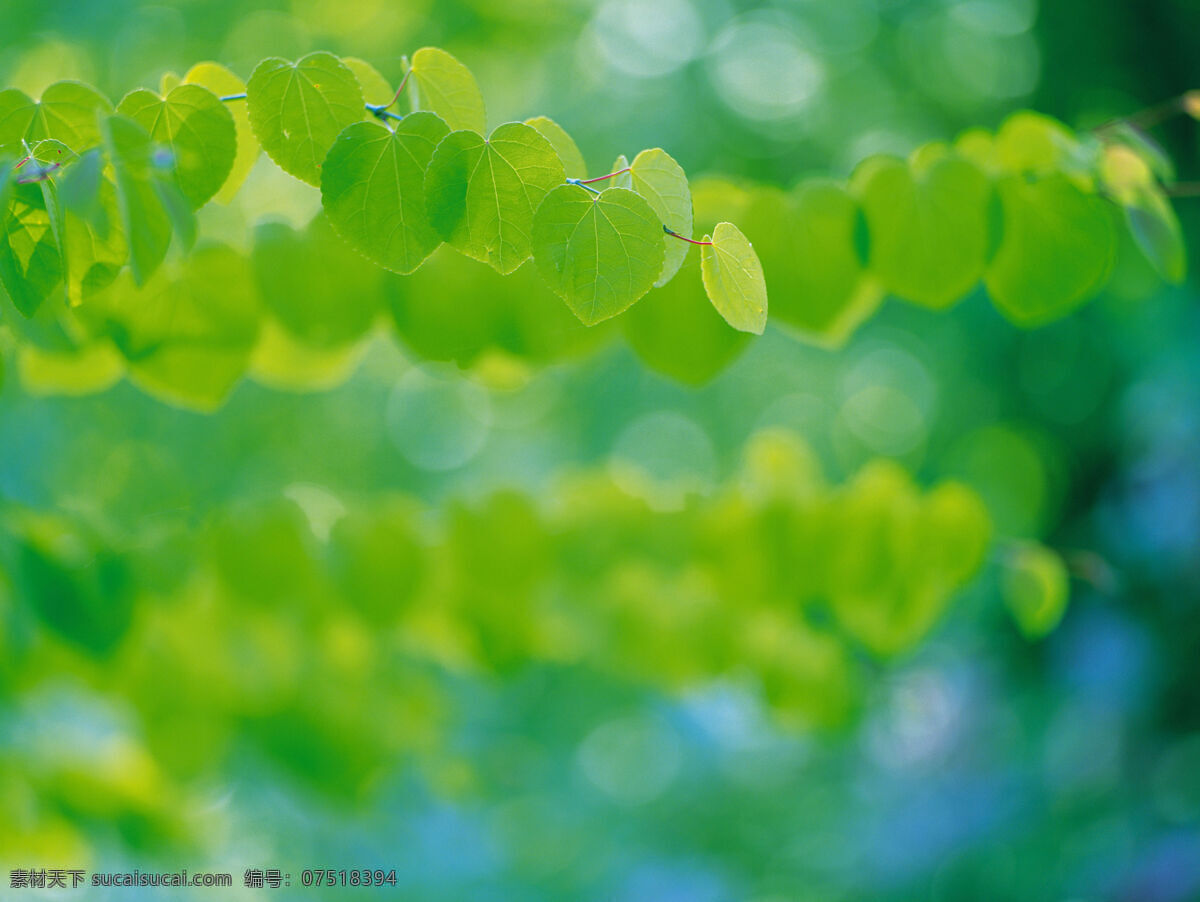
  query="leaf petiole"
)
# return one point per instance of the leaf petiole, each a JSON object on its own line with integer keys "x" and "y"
{"x": 582, "y": 184}
{"x": 688, "y": 240}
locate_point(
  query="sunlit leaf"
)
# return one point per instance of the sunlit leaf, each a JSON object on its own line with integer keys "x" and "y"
{"x": 733, "y": 279}
{"x": 564, "y": 145}
{"x": 224, "y": 83}
{"x": 298, "y": 109}
{"x": 480, "y": 195}
{"x": 66, "y": 112}
{"x": 375, "y": 87}
{"x": 198, "y": 130}
{"x": 443, "y": 85}
{"x": 599, "y": 253}
{"x": 656, "y": 176}
{"x": 373, "y": 189}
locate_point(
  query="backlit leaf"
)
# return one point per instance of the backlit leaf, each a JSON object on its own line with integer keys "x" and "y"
{"x": 656, "y": 176}
{"x": 564, "y": 145}
{"x": 599, "y": 253}
{"x": 733, "y": 279}
{"x": 443, "y": 85}
{"x": 373, "y": 189}
{"x": 66, "y": 112}
{"x": 224, "y": 83}
{"x": 480, "y": 195}
{"x": 197, "y": 128}
{"x": 298, "y": 109}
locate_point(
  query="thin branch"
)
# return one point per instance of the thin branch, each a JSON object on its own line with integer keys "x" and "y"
{"x": 1156, "y": 114}
{"x": 403, "y": 82}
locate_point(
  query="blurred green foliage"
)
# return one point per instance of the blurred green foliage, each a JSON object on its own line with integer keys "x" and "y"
{"x": 790, "y": 623}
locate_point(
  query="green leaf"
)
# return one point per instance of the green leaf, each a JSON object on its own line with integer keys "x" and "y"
{"x": 1156, "y": 231}
{"x": 197, "y": 128}
{"x": 653, "y": 325}
{"x": 224, "y": 83}
{"x": 320, "y": 290}
{"x": 733, "y": 279}
{"x": 375, "y": 87}
{"x": 144, "y": 219}
{"x": 79, "y": 190}
{"x": 1056, "y": 251}
{"x": 30, "y": 263}
{"x": 188, "y": 333}
{"x": 662, "y": 182}
{"x": 373, "y": 189}
{"x": 806, "y": 240}
{"x": 624, "y": 180}
{"x": 599, "y": 253}
{"x": 1036, "y": 588}
{"x": 1128, "y": 177}
{"x": 67, "y": 112}
{"x": 481, "y": 195}
{"x": 564, "y": 145}
{"x": 929, "y": 231}
{"x": 298, "y": 109}
{"x": 445, "y": 86}
{"x": 96, "y": 245}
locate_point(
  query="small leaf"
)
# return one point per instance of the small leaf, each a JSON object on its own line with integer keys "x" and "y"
{"x": 373, "y": 189}
{"x": 653, "y": 325}
{"x": 198, "y": 130}
{"x": 30, "y": 263}
{"x": 733, "y": 278}
{"x": 375, "y": 87}
{"x": 224, "y": 83}
{"x": 564, "y": 145}
{"x": 599, "y": 253}
{"x": 1036, "y": 588}
{"x": 480, "y": 195}
{"x": 67, "y": 112}
{"x": 624, "y": 180}
{"x": 662, "y": 182}
{"x": 298, "y": 109}
{"x": 445, "y": 86}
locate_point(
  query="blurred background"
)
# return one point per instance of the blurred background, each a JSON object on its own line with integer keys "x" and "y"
{"x": 340, "y": 626}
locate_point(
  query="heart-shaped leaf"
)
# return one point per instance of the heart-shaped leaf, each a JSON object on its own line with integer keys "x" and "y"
{"x": 224, "y": 83}
{"x": 197, "y": 128}
{"x": 481, "y": 195}
{"x": 67, "y": 112}
{"x": 599, "y": 253}
{"x": 373, "y": 189}
{"x": 445, "y": 86}
{"x": 929, "y": 228}
{"x": 733, "y": 278}
{"x": 298, "y": 109}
